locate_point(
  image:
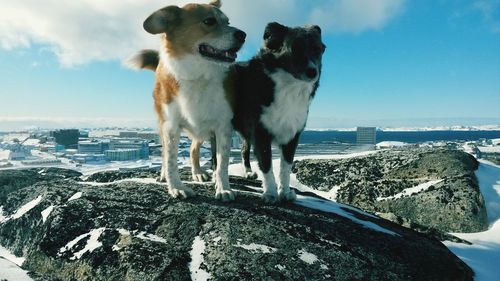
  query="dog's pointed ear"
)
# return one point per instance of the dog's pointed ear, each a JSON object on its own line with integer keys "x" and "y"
{"x": 316, "y": 28}
{"x": 161, "y": 20}
{"x": 216, "y": 3}
{"x": 274, "y": 35}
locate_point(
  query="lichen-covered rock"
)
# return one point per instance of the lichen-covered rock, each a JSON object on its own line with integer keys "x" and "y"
{"x": 452, "y": 204}
{"x": 68, "y": 229}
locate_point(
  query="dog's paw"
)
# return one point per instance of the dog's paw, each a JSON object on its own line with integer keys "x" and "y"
{"x": 287, "y": 195}
{"x": 251, "y": 175}
{"x": 161, "y": 179}
{"x": 270, "y": 197}
{"x": 182, "y": 193}
{"x": 200, "y": 176}
{"x": 224, "y": 195}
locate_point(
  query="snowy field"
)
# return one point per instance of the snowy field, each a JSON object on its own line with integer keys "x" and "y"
{"x": 483, "y": 256}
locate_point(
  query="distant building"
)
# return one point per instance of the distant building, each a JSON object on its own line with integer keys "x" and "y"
{"x": 89, "y": 158}
{"x": 366, "y": 136}
{"x": 127, "y": 144}
{"x": 90, "y": 147}
{"x": 149, "y": 136}
{"x": 123, "y": 154}
{"x": 128, "y": 134}
{"x": 68, "y": 138}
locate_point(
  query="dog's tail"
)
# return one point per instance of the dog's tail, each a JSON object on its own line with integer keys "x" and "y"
{"x": 146, "y": 59}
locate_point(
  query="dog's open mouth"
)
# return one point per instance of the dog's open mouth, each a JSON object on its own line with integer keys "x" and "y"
{"x": 219, "y": 55}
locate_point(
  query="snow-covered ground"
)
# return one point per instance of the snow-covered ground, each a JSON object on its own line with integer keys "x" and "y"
{"x": 483, "y": 256}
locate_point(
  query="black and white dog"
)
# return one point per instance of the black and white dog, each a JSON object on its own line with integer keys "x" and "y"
{"x": 271, "y": 95}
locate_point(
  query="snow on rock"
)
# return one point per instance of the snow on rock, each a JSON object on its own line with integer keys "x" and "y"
{"x": 142, "y": 235}
{"x": 307, "y": 257}
{"x": 483, "y": 256}
{"x": 390, "y": 144}
{"x": 198, "y": 248}
{"x": 280, "y": 267}
{"x": 257, "y": 248}
{"x": 75, "y": 196}
{"x": 411, "y": 190}
{"x": 92, "y": 243}
{"x": 488, "y": 176}
{"x": 6, "y": 254}
{"x": 340, "y": 209}
{"x": 45, "y": 213}
{"x": 11, "y": 271}
{"x": 21, "y": 211}
{"x": 151, "y": 237}
{"x": 27, "y": 207}
{"x": 132, "y": 180}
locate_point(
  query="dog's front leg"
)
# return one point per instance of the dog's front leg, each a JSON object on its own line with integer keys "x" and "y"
{"x": 171, "y": 147}
{"x": 222, "y": 189}
{"x": 264, "y": 156}
{"x": 287, "y": 155}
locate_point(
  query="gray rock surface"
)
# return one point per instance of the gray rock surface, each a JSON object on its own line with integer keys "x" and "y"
{"x": 453, "y": 205}
{"x": 133, "y": 230}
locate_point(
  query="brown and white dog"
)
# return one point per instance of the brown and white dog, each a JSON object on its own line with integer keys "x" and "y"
{"x": 198, "y": 46}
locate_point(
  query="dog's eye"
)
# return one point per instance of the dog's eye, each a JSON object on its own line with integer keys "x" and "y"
{"x": 210, "y": 21}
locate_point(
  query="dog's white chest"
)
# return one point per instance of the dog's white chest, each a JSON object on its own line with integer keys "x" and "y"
{"x": 204, "y": 105}
{"x": 287, "y": 114}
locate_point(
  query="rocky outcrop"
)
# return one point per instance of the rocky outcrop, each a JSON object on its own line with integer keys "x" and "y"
{"x": 448, "y": 198}
{"x": 131, "y": 229}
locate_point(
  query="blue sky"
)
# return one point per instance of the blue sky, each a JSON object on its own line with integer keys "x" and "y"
{"x": 388, "y": 62}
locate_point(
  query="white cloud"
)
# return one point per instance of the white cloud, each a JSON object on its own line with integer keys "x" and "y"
{"x": 355, "y": 15}
{"x": 490, "y": 10}
{"x": 87, "y": 30}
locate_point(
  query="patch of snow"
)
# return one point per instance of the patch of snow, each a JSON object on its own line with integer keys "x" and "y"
{"x": 6, "y": 254}
{"x": 75, "y": 196}
{"x": 25, "y": 208}
{"x": 123, "y": 232}
{"x": 412, "y": 190}
{"x": 133, "y": 180}
{"x": 330, "y": 242}
{"x": 489, "y": 149}
{"x": 488, "y": 176}
{"x": 340, "y": 209}
{"x": 390, "y": 144}
{"x": 11, "y": 271}
{"x": 151, "y": 237}
{"x": 216, "y": 240}
{"x": 323, "y": 266}
{"x": 256, "y": 248}
{"x": 92, "y": 243}
{"x": 280, "y": 267}
{"x": 307, "y": 257}
{"x": 45, "y": 213}
{"x": 483, "y": 256}
{"x": 198, "y": 248}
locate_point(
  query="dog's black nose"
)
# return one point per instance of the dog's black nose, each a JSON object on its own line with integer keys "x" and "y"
{"x": 240, "y": 36}
{"x": 311, "y": 72}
